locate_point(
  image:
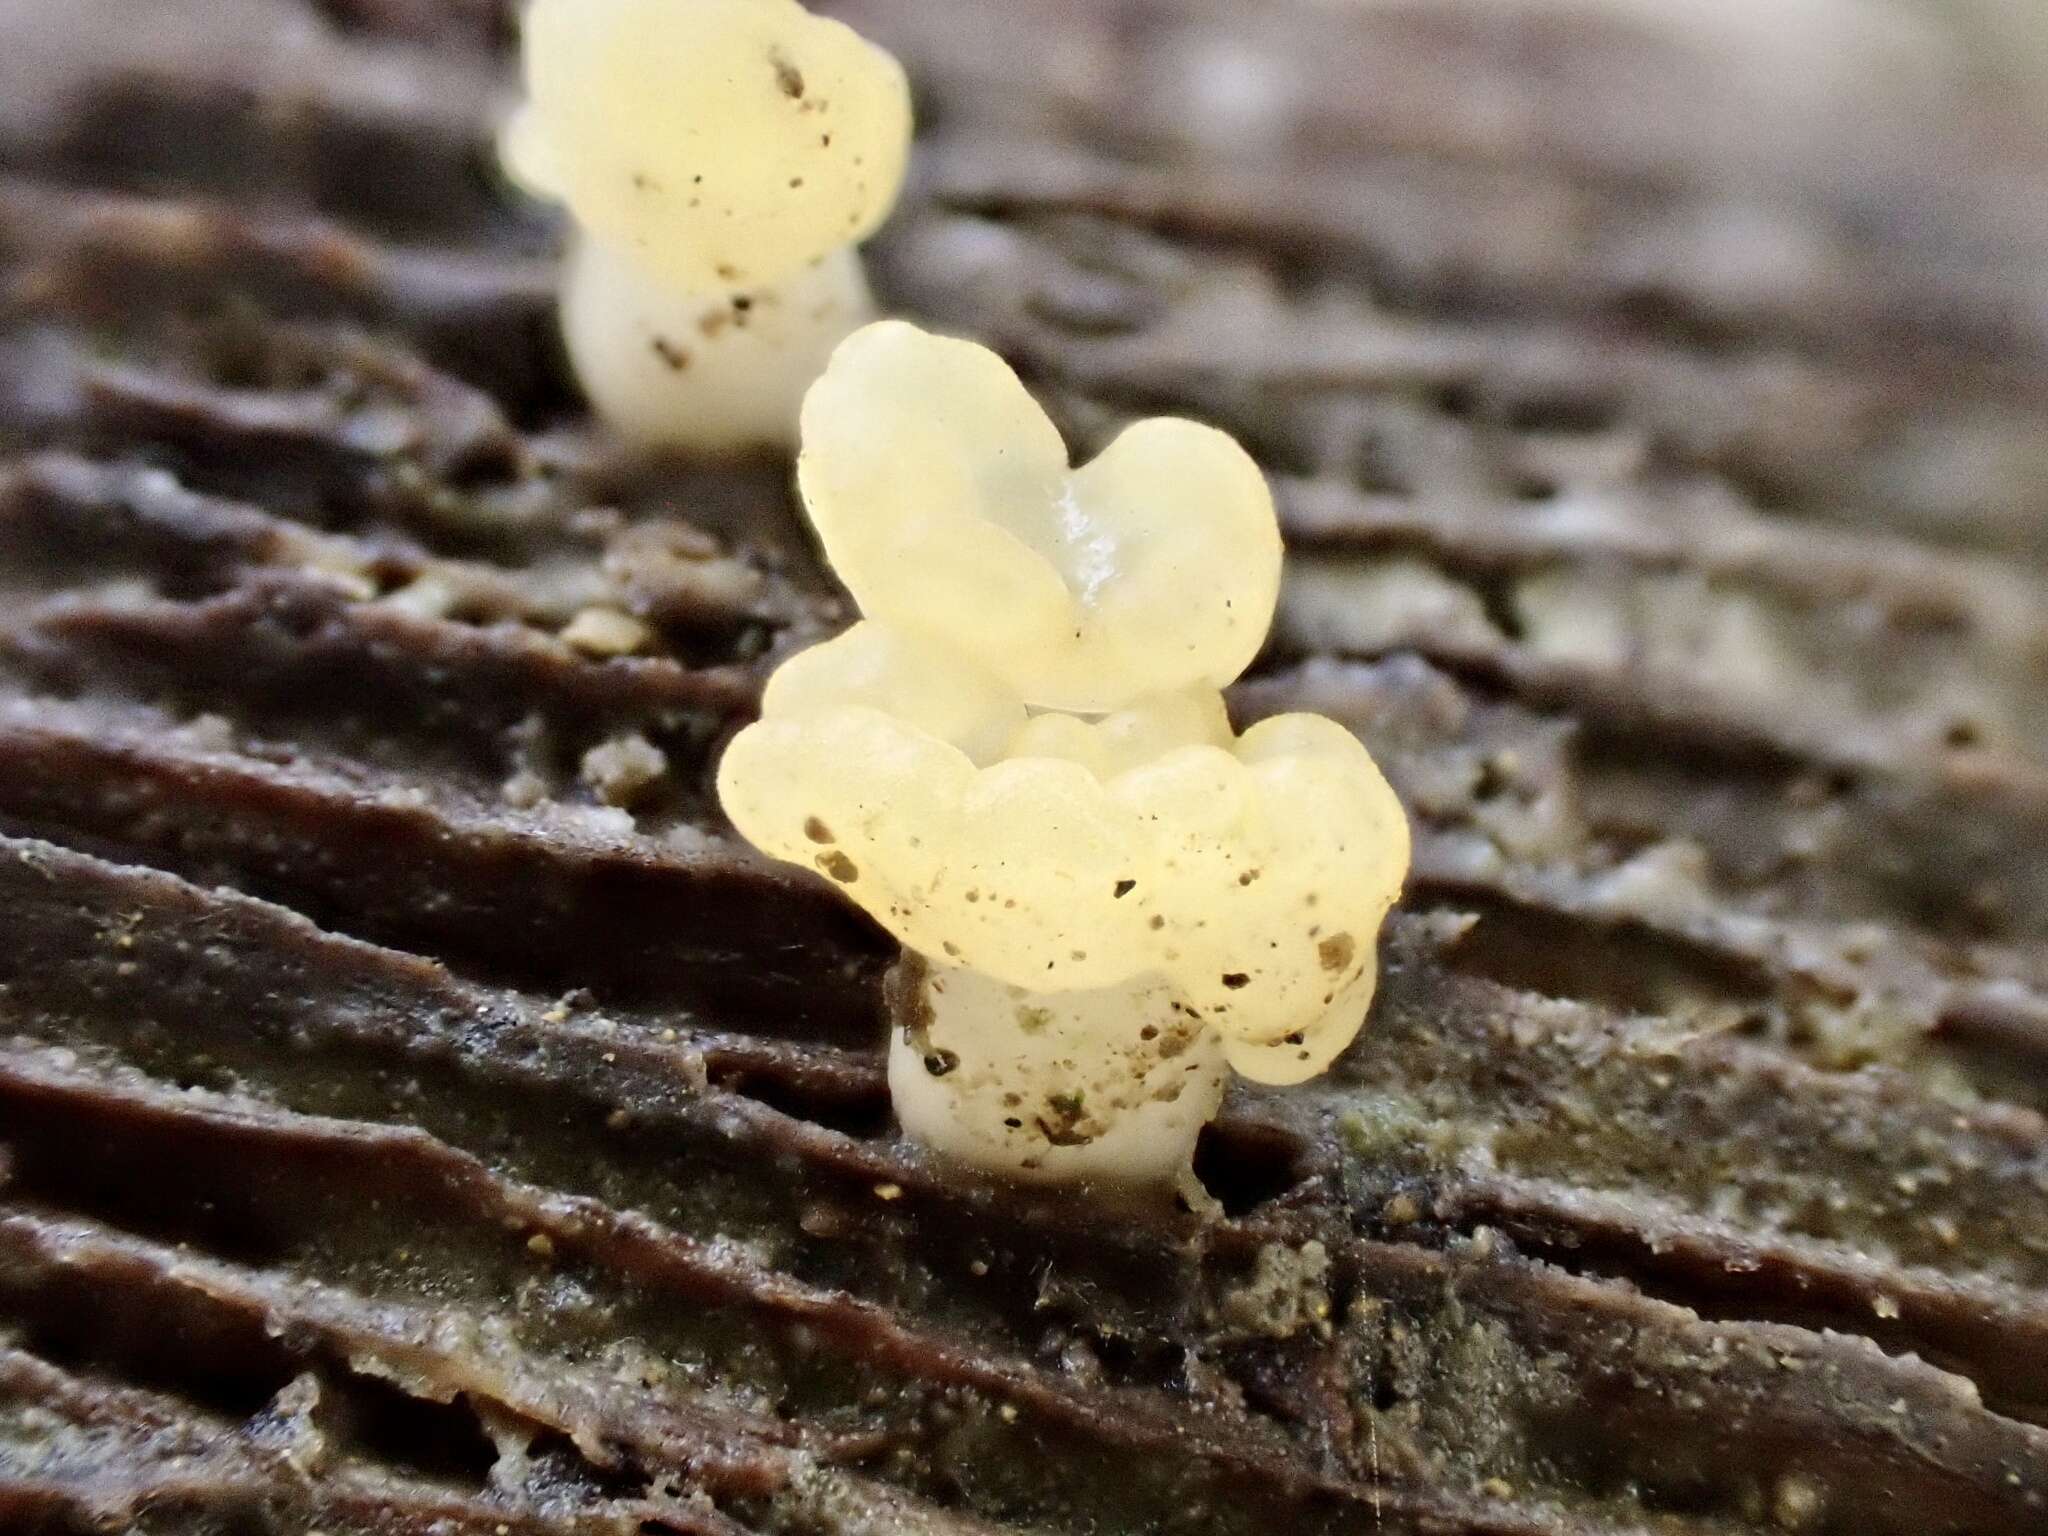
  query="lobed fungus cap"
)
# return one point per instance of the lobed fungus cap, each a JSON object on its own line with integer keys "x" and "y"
{"x": 720, "y": 143}
{"x": 946, "y": 503}
{"x": 1250, "y": 873}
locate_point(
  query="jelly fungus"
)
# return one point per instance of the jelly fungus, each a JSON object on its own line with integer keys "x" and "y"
{"x": 721, "y": 159}
{"x": 1020, "y": 763}
{"x": 946, "y": 504}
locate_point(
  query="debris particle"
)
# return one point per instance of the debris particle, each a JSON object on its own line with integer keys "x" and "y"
{"x": 623, "y": 769}
{"x": 606, "y": 632}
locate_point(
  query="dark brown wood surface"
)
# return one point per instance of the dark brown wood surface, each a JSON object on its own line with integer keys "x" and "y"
{"x": 409, "y": 1123}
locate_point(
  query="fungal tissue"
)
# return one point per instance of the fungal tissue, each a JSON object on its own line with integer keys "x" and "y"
{"x": 1019, "y": 762}
{"x": 721, "y": 160}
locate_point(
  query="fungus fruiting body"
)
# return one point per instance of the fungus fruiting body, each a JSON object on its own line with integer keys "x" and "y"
{"x": 712, "y": 371}
{"x": 722, "y": 159}
{"x": 1020, "y": 763}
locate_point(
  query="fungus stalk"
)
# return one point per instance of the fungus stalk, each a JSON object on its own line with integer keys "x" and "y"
{"x": 1108, "y": 1083}
{"x": 722, "y": 159}
{"x": 1020, "y": 763}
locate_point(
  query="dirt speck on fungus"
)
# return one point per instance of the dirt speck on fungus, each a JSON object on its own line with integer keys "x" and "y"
{"x": 839, "y": 867}
{"x": 1061, "y": 1125}
{"x": 788, "y": 78}
{"x": 1337, "y": 952}
{"x": 816, "y": 830}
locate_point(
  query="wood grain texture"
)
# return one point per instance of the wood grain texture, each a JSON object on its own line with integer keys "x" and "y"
{"x": 405, "y": 1126}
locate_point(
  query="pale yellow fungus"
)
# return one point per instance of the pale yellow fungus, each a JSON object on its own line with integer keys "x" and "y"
{"x": 715, "y": 373}
{"x": 1111, "y": 1084}
{"x": 721, "y": 159}
{"x": 1247, "y": 874}
{"x": 1107, "y": 894}
{"x": 947, "y": 505}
